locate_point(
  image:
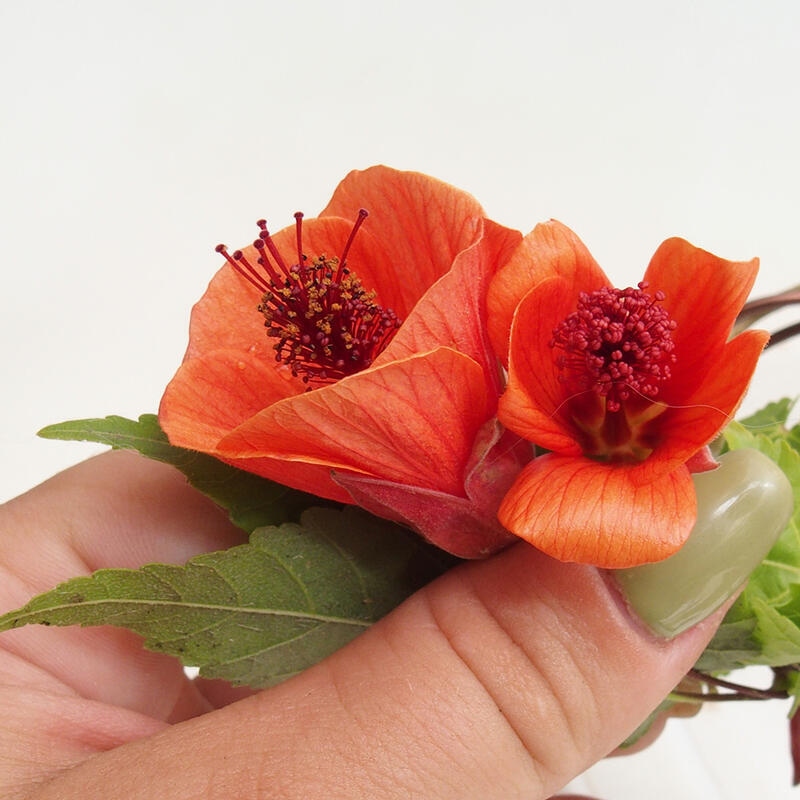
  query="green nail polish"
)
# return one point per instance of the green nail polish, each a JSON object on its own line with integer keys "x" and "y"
{"x": 742, "y": 508}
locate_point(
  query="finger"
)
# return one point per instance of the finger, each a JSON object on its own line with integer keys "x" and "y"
{"x": 656, "y": 727}
{"x": 501, "y": 679}
{"x": 116, "y": 510}
{"x": 573, "y": 797}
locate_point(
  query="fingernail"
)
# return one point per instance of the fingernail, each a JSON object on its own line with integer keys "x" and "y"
{"x": 742, "y": 507}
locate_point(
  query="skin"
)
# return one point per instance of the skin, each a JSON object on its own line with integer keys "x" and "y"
{"x": 503, "y": 679}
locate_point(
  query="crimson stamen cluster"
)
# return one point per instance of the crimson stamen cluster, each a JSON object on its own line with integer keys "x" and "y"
{"x": 328, "y": 326}
{"x": 618, "y": 342}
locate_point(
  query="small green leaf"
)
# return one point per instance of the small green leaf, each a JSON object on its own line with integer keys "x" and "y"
{"x": 251, "y": 501}
{"x": 778, "y": 634}
{"x": 260, "y": 612}
{"x": 645, "y": 726}
{"x": 793, "y": 437}
{"x": 733, "y": 646}
{"x": 771, "y": 420}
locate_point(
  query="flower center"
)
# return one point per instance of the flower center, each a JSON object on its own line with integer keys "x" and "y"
{"x": 617, "y": 343}
{"x": 327, "y": 325}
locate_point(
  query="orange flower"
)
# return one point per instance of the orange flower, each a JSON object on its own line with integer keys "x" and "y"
{"x": 623, "y": 387}
{"x": 348, "y": 357}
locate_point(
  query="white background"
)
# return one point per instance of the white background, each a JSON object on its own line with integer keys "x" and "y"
{"x": 136, "y": 135}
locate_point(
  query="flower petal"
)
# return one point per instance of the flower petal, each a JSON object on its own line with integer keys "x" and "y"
{"x": 422, "y": 223}
{"x": 464, "y": 526}
{"x": 575, "y": 509}
{"x": 452, "y": 313}
{"x": 410, "y": 421}
{"x": 227, "y": 318}
{"x": 213, "y": 394}
{"x": 407, "y": 243}
{"x": 550, "y": 249}
{"x": 497, "y": 457}
{"x": 454, "y": 524}
{"x": 686, "y": 428}
{"x": 703, "y": 295}
{"x": 534, "y": 397}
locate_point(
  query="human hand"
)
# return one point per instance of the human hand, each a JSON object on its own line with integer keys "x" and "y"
{"x": 502, "y": 679}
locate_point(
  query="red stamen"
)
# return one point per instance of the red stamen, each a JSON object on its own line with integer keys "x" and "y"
{"x": 242, "y": 266}
{"x": 618, "y": 343}
{"x": 327, "y": 325}
{"x": 275, "y": 277}
{"x": 362, "y": 215}
{"x": 267, "y": 239}
{"x": 299, "y": 232}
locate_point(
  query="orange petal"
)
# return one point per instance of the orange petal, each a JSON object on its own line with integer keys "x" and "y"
{"x": 422, "y": 223}
{"x": 227, "y": 318}
{"x": 412, "y": 421}
{"x": 368, "y": 258}
{"x": 688, "y": 427}
{"x": 575, "y": 509}
{"x": 213, "y": 394}
{"x": 704, "y": 294}
{"x": 534, "y": 397}
{"x": 452, "y": 312}
{"x": 550, "y": 249}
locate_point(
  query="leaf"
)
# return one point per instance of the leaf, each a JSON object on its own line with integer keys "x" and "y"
{"x": 793, "y": 437}
{"x": 645, "y": 726}
{"x": 733, "y": 646}
{"x": 260, "y": 612}
{"x": 251, "y": 501}
{"x": 771, "y": 420}
{"x": 779, "y": 635}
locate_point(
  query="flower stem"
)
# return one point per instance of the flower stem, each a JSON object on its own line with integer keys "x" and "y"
{"x": 737, "y": 690}
{"x": 783, "y": 334}
{"x": 754, "y": 310}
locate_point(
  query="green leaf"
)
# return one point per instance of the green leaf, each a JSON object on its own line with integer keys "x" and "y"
{"x": 260, "y": 612}
{"x": 793, "y": 437}
{"x": 733, "y": 646}
{"x": 251, "y": 501}
{"x": 771, "y": 420}
{"x": 645, "y": 726}
{"x": 778, "y": 634}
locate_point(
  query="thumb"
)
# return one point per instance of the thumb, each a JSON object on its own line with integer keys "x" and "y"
{"x": 501, "y": 679}
{"x": 525, "y": 671}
